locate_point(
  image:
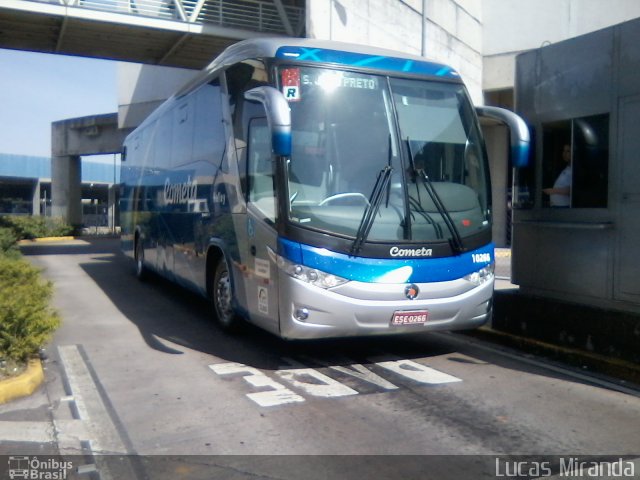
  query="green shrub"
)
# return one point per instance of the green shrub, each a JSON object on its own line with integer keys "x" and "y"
{"x": 24, "y": 226}
{"x": 58, "y": 228}
{"x": 30, "y": 227}
{"x": 8, "y": 240}
{"x": 26, "y": 320}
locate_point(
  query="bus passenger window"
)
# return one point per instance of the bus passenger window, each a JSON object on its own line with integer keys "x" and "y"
{"x": 260, "y": 167}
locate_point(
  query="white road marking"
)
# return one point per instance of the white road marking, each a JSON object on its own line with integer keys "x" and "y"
{"x": 70, "y": 434}
{"x": 320, "y": 385}
{"x": 87, "y": 469}
{"x": 317, "y": 384}
{"x": 91, "y": 409}
{"x": 363, "y": 373}
{"x": 347, "y": 367}
{"x": 96, "y": 426}
{"x": 39, "y": 432}
{"x": 416, "y": 371}
{"x": 278, "y": 395}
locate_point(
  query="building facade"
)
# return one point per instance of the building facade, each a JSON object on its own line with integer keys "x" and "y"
{"x": 479, "y": 38}
{"x": 25, "y": 188}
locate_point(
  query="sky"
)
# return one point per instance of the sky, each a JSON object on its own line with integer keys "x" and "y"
{"x": 37, "y": 89}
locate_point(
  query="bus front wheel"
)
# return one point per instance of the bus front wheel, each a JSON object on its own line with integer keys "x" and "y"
{"x": 222, "y": 298}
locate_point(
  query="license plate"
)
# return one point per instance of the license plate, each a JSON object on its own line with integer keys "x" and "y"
{"x": 410, "y": 318}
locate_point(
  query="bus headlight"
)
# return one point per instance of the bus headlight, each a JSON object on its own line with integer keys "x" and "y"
{"x": 482, "y": 275}
{"x": 310, "y": 275}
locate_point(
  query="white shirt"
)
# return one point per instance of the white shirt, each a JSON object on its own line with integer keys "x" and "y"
{"x": 563, "y": 180}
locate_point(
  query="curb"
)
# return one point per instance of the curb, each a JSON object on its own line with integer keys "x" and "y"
{"x": 45, "y": 240}
{"x": 24, "y": 384}
{"x": 620, "y": 369}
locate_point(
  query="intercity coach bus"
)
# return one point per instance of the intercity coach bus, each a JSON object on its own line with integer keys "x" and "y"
{"x": 318, "y": 189}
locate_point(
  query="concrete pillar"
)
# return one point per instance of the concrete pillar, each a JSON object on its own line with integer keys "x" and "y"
{"x": 112, "y": 207}
{"x": 35, "y": 203}
{"x": 66, "y": 194}
{"x": 92, "y": 135}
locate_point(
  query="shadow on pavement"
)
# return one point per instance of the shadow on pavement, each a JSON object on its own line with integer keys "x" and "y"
{"x": 163, "y": 311}
{"x": 170, "y": 317}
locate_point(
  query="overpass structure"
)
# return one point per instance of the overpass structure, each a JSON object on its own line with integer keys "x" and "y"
{"x": 173, "y": 33}
{"x": 176, "y": 33}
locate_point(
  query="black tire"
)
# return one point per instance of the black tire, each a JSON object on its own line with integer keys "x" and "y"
{"x": 140, "y": 269}
{"x": 222, "y": 298}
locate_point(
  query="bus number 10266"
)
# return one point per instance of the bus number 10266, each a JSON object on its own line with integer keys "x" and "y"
{"x": 481, "y": 257}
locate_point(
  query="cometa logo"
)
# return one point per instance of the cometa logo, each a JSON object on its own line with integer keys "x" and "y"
{"x": 410, "y": 252}
{"x": 180, "y": 192}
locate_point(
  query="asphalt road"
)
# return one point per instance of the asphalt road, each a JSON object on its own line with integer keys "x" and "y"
{"x": 139, "y": 368}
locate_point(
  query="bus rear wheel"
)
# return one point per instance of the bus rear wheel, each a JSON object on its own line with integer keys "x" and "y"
{"x": 141, "y": 271}
{"x": 222, "y": 298}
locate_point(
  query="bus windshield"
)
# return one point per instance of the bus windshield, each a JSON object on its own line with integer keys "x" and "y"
{"x": 351, "y": 129}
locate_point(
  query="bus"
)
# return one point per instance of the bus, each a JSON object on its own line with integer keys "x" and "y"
{"x": 318, "y": 189}
{"x": 19, "y": 467}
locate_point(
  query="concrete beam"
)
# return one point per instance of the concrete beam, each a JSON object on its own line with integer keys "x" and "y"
{"x": 93, "y": 135}
{"x": 96, "y": 134}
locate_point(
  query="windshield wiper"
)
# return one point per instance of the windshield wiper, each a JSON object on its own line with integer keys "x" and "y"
{"x": 456, "y": 240}
{"x": 368, "y": 217}
{"x": 418, "y": 210}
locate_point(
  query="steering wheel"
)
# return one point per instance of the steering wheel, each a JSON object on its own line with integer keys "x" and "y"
{"x": 340, "y": 196}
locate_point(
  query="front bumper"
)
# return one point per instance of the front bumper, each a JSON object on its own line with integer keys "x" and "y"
{"x": 360, "y": 309}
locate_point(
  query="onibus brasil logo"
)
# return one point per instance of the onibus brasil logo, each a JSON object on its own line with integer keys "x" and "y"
{"x": 37, "y": 469}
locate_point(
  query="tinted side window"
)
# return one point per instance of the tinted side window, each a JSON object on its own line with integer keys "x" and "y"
{"x": 209, "y": 141}
{"x": 163, "y": 141}
{"x": 240, "y": 78}
{"x": 182, "y": 132}
{"x": 590, "y": 161}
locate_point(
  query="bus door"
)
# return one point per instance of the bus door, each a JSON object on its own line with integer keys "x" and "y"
{"x": 261, "y": 234}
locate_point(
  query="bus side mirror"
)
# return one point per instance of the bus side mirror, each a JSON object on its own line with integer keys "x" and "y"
{"x": 519, "y": 133}
{"x": 123, "y": 155}
{"x": 278, "y": 117}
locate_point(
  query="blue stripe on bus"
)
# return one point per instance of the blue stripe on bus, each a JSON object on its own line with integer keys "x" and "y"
{"x": 387, "y": 270}
{"x": 361, "y": 59}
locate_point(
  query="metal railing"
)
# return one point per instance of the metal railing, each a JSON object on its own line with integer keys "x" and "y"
{"x": 253, "y": 15}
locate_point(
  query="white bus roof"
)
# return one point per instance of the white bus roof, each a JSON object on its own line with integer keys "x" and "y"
{"x": 326, "y": 51}
{"x": 318, "y": 51}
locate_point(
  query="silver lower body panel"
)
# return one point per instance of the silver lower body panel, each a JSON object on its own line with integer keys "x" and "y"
{"x": 330, "y": 313}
